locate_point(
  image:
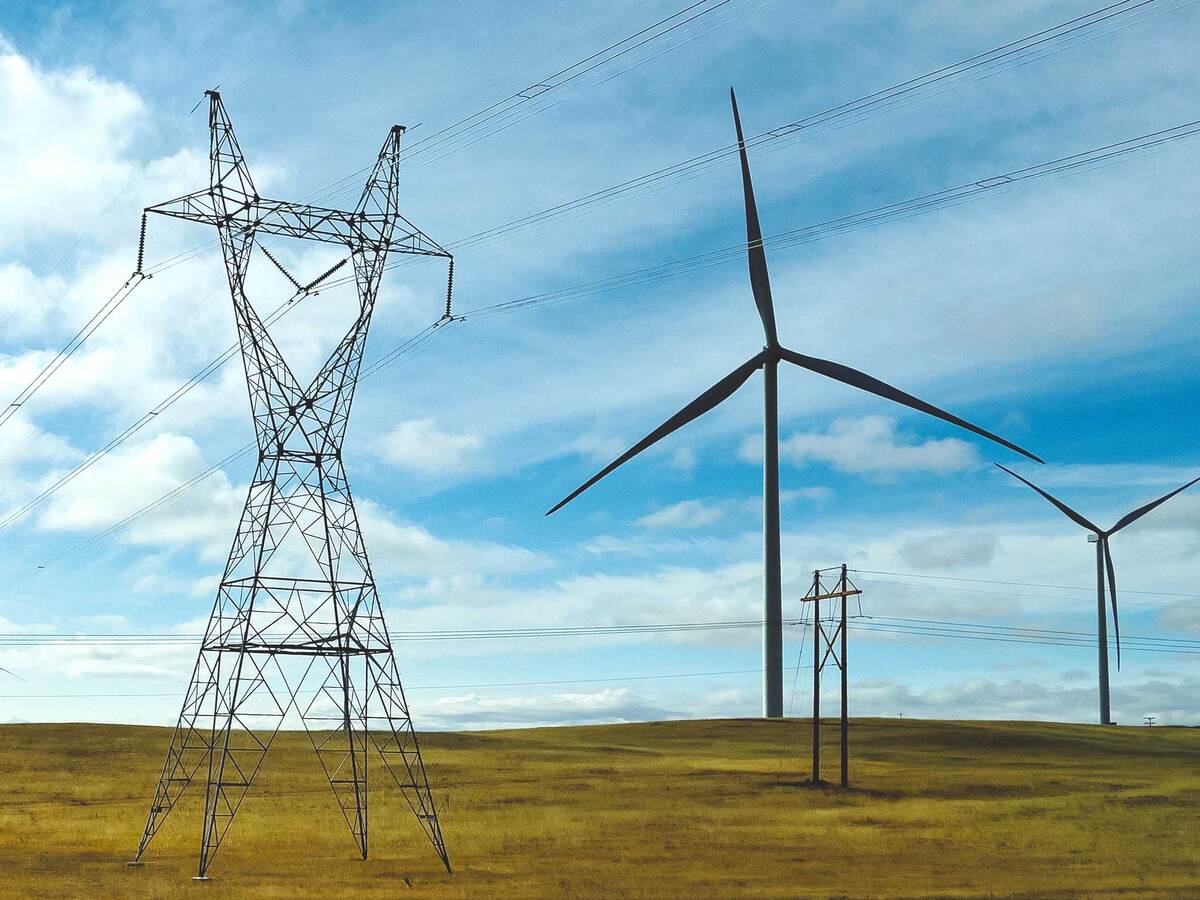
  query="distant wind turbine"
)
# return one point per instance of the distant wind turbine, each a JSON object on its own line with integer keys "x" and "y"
{"x": 1104, "y": 565}
{"x": 768, "y": 360}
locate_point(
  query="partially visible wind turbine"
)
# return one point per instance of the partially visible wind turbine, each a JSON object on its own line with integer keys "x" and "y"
{"x": 1104, "y": 565}
{"x": 768, "y": 360}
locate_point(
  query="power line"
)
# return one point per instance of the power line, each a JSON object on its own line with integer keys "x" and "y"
{"x": 1062, "y": 587}
{"x": 874, "y": 101}
{"x": 1020, "y": 52}
{"x": 248, "y": 69}
{"x": 1018, "y": 596}
{"x": 406, "y": 352}
{"x": 970, "y": 70}
{"x": 528, "y": 96}
{"x": 876, "y": 216}
{"x": 641, "y": 38}
{"x": 301, "y": 292}
{"x": 799, "y": 658}
{"x": 1045, "y": 42}
{"x": 1020, "y": 628}
{"x": 870, "y": 218}
{"x": 960, "y": 634}
{"x": 607, "y": 77}
{"x": 423, "y": 687}
{"x": 888, "y": 625}
{"x": 1057, "y": 637}
{"x": 98, "y": 318}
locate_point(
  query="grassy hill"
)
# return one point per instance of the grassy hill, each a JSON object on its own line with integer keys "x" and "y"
{"x": 706, "y": 809}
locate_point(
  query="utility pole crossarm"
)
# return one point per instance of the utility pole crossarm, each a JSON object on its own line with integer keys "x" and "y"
{"x": 830, "y": 596}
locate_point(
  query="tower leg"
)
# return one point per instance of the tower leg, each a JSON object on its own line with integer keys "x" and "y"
{"x": 189, "y": 750}
{"x": 246, "y": 701}
{"x": 396, "y": 741}
{"x": 233, "y": 709}
{"x": 336, "y": 722}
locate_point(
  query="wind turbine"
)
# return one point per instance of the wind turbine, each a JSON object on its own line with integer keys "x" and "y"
{"x": 768, "y": 360}
{"x": 1104, "y": 565}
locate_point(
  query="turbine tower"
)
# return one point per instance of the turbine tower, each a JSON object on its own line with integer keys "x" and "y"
{"x": 1104, "y": 566}
{"x": 768, "y": 360}
{"x": 297, "y": 603}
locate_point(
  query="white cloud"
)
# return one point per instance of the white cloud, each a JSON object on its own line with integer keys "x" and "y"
{"x": 121, "y": 483}
{"x": 871, "y": 446}
{"x": 403, "y": 550}
{"x": 28, "y": 303}
{"x": 1174, "y": 701}
{"x": 684, "y": 460}
{"x": 816, "y": 494}
{"x": 419, "y": 445}
{"x": 1109, "y": 475}
{"x": 66, "y": 141}
{"x": 637, "y": 361}
{"x": 25, "y": 451}
{"x": 948, "y": 550}
{"x": 693, "y": 514}
{"x": 685, "y": 514}
{"x": 473, "y": 711}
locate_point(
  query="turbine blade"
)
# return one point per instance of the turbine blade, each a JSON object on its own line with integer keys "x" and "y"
{"x": 702, "y": 404}
{"x": 1142, "y": 510}
{"x": 1112, "y": 591}
{"x": 864, "y": 382}
{"x": 1063, "y": 508}
{"x": 760, "y": 281}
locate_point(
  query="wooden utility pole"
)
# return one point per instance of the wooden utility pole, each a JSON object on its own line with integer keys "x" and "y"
{"x": 830, "y": 644}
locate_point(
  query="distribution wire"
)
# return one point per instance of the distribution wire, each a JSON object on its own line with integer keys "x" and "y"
{"x": 886, "y": 625}
{"x": 427, "y": 687}
{"x": 1061, "y": 587}
{"x": 917, "y": 626}
{"x": 1025, "y": 595}
{"x": 803, "y": 642}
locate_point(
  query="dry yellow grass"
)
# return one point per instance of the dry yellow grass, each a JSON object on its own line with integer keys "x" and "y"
{"x": 699, "y": 809}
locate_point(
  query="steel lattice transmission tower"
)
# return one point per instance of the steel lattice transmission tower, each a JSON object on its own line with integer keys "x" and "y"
{"x": 297, "y": 604}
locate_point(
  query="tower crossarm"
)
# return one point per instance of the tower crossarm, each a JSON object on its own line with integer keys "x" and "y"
{"x": 357, "y": 231}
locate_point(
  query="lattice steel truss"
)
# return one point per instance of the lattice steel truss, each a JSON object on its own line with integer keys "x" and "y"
{"x": 297, "y": 603}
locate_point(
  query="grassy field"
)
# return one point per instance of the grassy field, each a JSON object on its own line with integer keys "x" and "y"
{"x": 705, "y": 809}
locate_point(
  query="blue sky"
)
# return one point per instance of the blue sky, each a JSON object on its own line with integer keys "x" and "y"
{"x": 1060, "y": 312}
